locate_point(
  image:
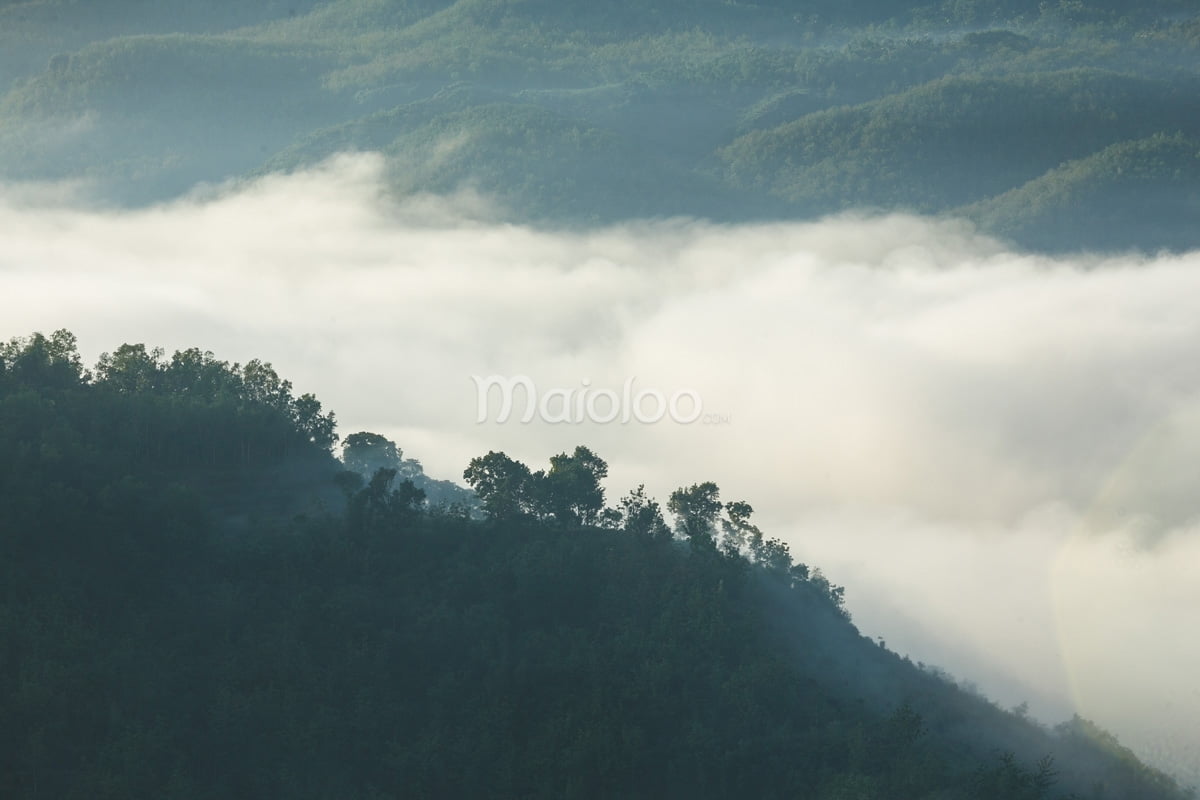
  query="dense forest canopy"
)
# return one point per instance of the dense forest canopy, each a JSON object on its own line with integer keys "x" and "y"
{"x": 199, "y": 600}
{"x": 1061, "y": 125}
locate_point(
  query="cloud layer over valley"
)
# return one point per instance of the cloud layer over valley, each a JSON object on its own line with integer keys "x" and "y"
{"x": 997, "y": 453}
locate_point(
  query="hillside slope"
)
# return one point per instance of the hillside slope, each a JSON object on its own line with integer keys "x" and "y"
{"x": 574, "y": 113}
{"x": 1160, "y": 175}
{"x": 189, "y": 611}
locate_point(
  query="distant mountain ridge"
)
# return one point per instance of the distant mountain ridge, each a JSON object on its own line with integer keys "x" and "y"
{"x": 581, "y": 113}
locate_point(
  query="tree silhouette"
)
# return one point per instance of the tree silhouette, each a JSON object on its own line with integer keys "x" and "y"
{"x": 641, "y": 515}
{"x": 696, "y": 509}
{"x": 504, "y": 486}
{"x": 366, "y": 453}
{"x": 571, "y": 492}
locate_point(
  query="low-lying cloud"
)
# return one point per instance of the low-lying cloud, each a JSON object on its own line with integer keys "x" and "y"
{"x": 997, "y": 452}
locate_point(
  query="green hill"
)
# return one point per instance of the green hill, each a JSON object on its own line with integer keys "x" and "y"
{"x": 197, "y": 602}
{"x": 535, "y": 161}
{"x": 956, "y": 140}
{"x": 153, "y": 115}
{"x": 578, "y": 113}
{"x": 1159, "y": 175}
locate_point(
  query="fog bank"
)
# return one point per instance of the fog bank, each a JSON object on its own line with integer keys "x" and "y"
{"x": 996, "y": 452}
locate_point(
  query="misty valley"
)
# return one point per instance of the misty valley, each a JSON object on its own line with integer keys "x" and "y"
{"x": 670, "y": 398}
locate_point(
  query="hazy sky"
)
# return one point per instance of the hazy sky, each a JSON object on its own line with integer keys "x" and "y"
{"x": 997, "y": 454}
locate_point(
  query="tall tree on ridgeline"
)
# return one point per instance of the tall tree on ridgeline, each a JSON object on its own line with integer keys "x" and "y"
{"x": 696, "y": 508}
{"x": 504, "y": 486}
{"x": 570, "y": 491}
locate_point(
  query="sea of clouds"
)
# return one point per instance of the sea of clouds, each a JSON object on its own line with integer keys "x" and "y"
{"x": 997, "y": 453}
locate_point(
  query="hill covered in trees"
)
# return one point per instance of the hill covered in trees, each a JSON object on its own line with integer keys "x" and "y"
{"x": 198, "y": 599}
{"x": 1042, "y": 121}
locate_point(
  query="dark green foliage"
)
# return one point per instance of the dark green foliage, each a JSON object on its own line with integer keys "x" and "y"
{"x": 365, "y": 453}
{"x": 696, "y": 509}
{"x": 640, "y": 515}
{"x": 1008, "y": 781}
{"x": 570, "y": 491}
{"x": 75, "y": 445}
{"x": 569, "y": 494}
{"x": 505, "y": 487}
{"x": 378, "y": 508}
{"x": 167, "y": 629}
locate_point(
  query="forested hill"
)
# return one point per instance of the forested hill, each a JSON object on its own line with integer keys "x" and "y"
{"x": 1059, "y": 124}
{"x": 198, "y": 600}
